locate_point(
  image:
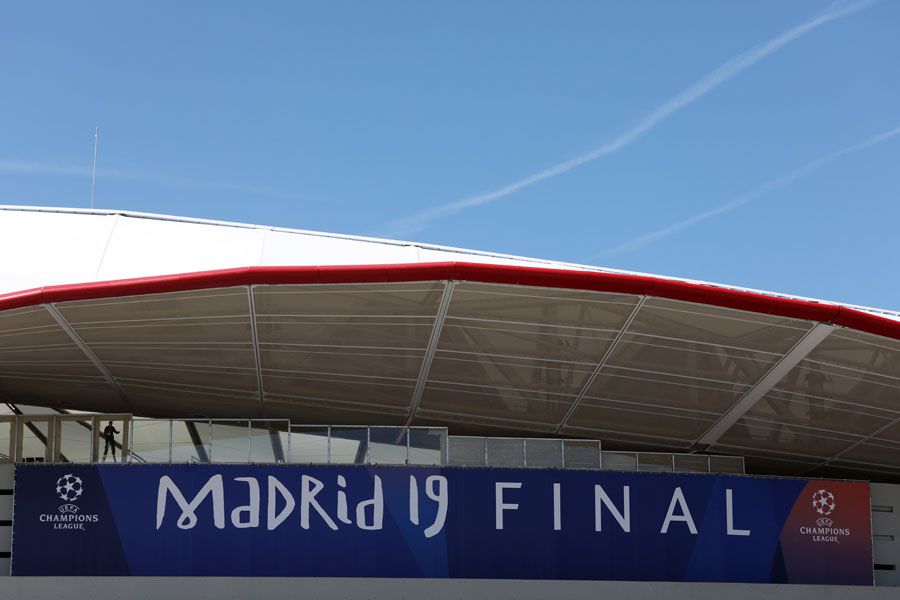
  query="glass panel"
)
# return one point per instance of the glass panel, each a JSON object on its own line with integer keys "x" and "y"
{"x": 181, "y": 339}
{"x": 110, "y": 437}
{"x": 581, "y": 454}
{"x": 682, "y": 391}
{"x": 76, "y": 440}
{"x": 348, "y": 445}
{"x": 268, "y": 441}
{"x": 535, "y": 374}
{"x": 387, "y": 445}
{"x": 230, "y": 442}
{"x": 341, "y": 389}
{"x": 34, "y": 440}
{"x": 819, "y": 412}
{"x": 467, "y": 451}
{"x": 427, "y": 446}
{"x": 544, "y": 453}
{"x": 866, "y": 353}
{"x": 882, "y": 453}
{"x": 190, "y": 441}
{"x": 823, "y": 382}
{"x": 759, "y": 435}
{"x": 150, "y": 441}
{"x": 7, "y": 439}
{"x": 664, "y": 423}
{"x": 309, "y": 445}
{"x": 655, "y": 462}
{"x": 726, "y": 464}
{"x": 647, "y": 353}
{"x": 520, "y": 404}
{"x": 723, "y": 328}
{"x": 619, "y": 461}
{"x": 505, "y": 452}
{"x": 692, "y": 463}
{"x": 564, "y": 308}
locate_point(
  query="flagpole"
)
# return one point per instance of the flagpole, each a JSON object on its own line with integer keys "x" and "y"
{"x": 94, "y": 169}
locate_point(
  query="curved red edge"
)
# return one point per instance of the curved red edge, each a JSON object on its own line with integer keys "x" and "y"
{"x": 462, "y": 271}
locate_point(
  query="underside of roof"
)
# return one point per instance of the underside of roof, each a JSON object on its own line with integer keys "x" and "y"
{"x": 798, "y": 387}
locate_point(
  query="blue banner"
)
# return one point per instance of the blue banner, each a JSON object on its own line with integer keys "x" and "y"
{"x": 357, "y": 521}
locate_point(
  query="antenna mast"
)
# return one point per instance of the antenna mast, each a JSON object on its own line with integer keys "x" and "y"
{"x": 94, "y": 169}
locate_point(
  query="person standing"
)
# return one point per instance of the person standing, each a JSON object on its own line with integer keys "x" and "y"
{"x": 109, "y": 435}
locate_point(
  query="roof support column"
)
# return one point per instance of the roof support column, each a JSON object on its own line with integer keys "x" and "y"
{"x": 430, "y": 350}
{"x": 73, "y": 335}
{"x": 770, "y": 379}
{"x": 590, "y": 380}
{"x": 251, "y": 303}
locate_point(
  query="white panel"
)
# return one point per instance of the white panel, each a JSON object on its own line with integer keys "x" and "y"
{"x": 144, "y": 247}
{"x": 6, "y": 508}
{"x": 66, "y": 245}
{"x": 50, "y": 248}
{"x": 5, "y": 538}
{"x": 7, "y": 477}
{"x": 431, "y": 254}
{"x": 283, "y": 248}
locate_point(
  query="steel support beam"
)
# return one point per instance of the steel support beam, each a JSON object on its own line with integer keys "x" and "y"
{"x": 61, "y": 321}
{"x": 430, "y": 350}
{"x": 590, "y": 380}
{"x": 770, "y": 379}
{"x": 255, "y": 336}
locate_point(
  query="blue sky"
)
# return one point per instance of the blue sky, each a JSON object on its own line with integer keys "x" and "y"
{"x": 751, "y": 143}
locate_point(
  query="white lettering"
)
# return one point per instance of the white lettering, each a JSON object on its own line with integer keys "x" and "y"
{"x": 557, "y": 517}
{"x": 377, "y": 504}
{"x": 622, "y": 518}
{"x": 342, "y": 501}
{"x": 274, "y": 518}
{"x": 729, "y": 513}
{"x": 188, "y": 519}
{"x": 684, "y": 517}
{"x": 413, "y": 500}
{"x": 251, "y": 509}
{"x": 439, "y": 496}
{"x": 308, "y": 498}
{"x": 498, "y": 501}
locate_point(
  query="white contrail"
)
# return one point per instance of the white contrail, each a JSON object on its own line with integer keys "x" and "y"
{"x": 707, "y": 83}
{"x": 37, "y": 168}
{"x": 770, "y": 186}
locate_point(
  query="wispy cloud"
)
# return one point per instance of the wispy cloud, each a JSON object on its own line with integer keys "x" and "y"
{"x": 38, "y": 168}
{"x": 710, "y": 81}
{"x": 766, "y": 188}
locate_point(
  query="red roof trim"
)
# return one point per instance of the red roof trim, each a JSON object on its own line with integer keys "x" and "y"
{"x": 460, "y": 271}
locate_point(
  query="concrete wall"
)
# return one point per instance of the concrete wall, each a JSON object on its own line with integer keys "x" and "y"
{"x": 224, "y": 588}
{"x": 7, "y": 478}
{"x": 886, "y": 533}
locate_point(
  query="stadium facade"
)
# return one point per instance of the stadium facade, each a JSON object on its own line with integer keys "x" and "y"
{"x": 208, "y": 408}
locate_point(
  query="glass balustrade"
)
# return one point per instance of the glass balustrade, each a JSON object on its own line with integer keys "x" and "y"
{"x": 84, "y": 438}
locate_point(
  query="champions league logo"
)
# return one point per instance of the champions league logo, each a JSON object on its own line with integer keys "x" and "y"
{"x": 69, "y": 488}
{"x": 825, "y": 503}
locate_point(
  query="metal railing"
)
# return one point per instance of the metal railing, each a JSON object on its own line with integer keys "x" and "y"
{"x": 80, "y": 438}
{"x": 543, "y": 453}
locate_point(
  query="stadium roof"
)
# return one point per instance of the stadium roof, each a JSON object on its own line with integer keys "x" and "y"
{"x": 124, "y": 312}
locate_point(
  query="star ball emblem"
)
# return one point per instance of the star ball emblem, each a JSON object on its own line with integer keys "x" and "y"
{"x": 69, "y": 487}
{"x": 824, "y": 503}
